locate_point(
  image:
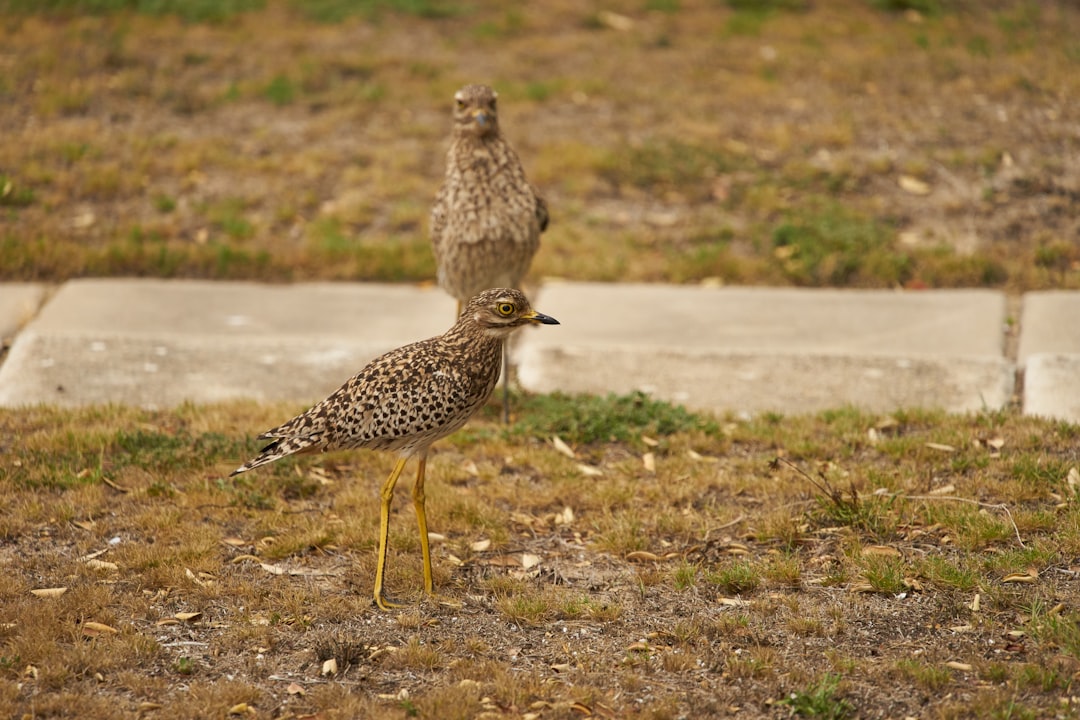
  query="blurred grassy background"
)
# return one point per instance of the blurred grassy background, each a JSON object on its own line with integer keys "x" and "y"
{"x": 868, "y": 143}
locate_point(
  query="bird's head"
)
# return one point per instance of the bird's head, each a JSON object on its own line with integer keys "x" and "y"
{"x": 499, "y": 311}
{"x": 475, "y": 112}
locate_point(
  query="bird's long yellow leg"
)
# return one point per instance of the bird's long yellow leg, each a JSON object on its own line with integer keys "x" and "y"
{"x": 386, "y": 495}
{"x": 421, "y": 520}
{"x": 425, "y": 546}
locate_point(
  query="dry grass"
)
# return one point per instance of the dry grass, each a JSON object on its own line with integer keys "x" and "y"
{"x": 703, "y": 140}
{"x": 718, "y": 580}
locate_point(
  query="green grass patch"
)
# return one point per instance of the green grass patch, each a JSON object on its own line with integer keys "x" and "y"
{"x": 827, "y": 244}
{"x": 735, "y": 578}
{"x": 820, "y": 700}
{"x": 668, "y": 165}
{"x": 335, "y": 11}
{"x": 586, "y": 419}
{"x": 188, "y": 10}
{"x": 280, "y": 90}
{"x": 13, "y": 194}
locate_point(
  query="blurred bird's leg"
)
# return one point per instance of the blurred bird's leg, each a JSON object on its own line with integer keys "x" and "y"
{"x": 506, "y": 383}
{"x": 386, "y": 495}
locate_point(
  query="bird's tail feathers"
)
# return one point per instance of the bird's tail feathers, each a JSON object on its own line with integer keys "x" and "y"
{"x": 278, "y": 449}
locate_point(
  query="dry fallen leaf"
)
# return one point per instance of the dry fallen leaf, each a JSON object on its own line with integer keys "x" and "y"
{"x": 615, "y": 21}
{"x": 188, "y": 616}
{"x": 529, "y": 560}
{"x": 296, "y": 689}
{"x": 562, "y": 447}
{"x": 1029, "y": 577}
{"x": 589, "y": 470}
{"x": 566, "y": 517}
{"x": 964, "y": 667}
{"x": 329, "y": 667}
{"x": 241, "y": 709}
{"x": 91, "y": 629}
{"x": 49, "y": 592}
{"x": 887, "y": 423}
{"x": 113, "y": 485}
{"x": 698, "y": 457}
{"x": 642, "y": 556}
{"x": 102, "y": 565}
{"x": 235, "y": 542}
{"x": 480, "y": 545}
{"x": 649, "y": 441}
{"x": 881, "y": 551}
{"x": 84, "y": 524}
{"x": 940, "y": 446}
{"x": 649, "y": 460}
{"x": 943, "y": 490}
{"x": 913, "y": 185}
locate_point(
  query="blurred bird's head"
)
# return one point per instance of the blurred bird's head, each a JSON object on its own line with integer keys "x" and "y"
{"x": 474, "y": 111}
{"x": 499, "y": 311}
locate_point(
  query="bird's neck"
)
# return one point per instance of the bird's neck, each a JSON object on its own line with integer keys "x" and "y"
{"x": 466, "y": 333}
{"x": 468, "y": 142}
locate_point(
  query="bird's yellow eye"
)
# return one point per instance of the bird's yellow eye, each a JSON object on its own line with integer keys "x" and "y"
{"x": 505, "y": 309}
{"x": 460, "y": 104}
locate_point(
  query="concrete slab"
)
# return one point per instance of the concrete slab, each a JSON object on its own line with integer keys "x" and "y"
{"x": 158, "y": 343}
{"x": 1049, "y": 354}
{"x": 1049, "y": 323}
{"x": 786, "y": 350}
{"x": 18, "y": 304}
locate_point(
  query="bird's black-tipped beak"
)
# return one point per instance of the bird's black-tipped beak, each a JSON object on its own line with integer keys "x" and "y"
{"x": 541, "y": 318}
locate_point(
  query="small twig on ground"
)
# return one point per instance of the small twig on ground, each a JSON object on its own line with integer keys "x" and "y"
{"x": 827, "y": 489}
{"x": 991, "y": 506}
{"x": 725, "y": 526}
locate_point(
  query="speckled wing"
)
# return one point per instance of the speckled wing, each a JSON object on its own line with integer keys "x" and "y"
{"x": 438, "y": 224}
{"x": 542, "y": 216}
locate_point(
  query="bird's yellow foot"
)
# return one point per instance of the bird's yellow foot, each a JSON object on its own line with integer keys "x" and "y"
{"x": 386, "y": 604}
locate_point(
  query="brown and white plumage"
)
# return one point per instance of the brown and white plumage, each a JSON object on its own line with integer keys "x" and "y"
{"x": 487, "y": 218}
{"x": 407, "y": 399}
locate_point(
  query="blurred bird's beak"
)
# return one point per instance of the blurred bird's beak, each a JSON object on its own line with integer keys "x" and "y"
{"x": 480, "y": 117}
{"x": 541, "y": 318}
